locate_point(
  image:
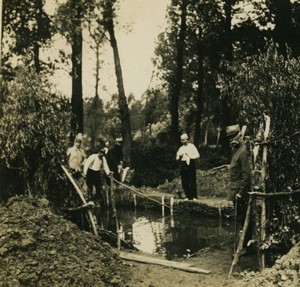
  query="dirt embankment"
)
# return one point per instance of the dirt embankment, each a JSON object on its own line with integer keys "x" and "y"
{"x": 39, "y": 248}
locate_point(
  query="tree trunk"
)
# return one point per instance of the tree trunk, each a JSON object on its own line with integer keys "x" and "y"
{"x": 123, "y": 107}
{"x": 36, "y": 56}
{"x": 199, "y": 96}
{"x": 228, "y": 33}
{"x": 282, "y": 19}
{"x": 97, "y": 68}
{"x": 175, "y": 88}
{"x": 226, "y": 113}
{"x": 36, "y": 45}
{"x": 77, "y": 101}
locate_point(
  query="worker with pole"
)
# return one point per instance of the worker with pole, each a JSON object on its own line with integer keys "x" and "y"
{"x": 240, "y": 181}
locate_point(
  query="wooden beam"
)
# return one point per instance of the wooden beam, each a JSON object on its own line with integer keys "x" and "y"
{"x": 275, "y": 194}
{"x": 167, "y": 263}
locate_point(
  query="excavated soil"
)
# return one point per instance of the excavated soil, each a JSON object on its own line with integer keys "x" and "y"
{"x": 40, "y": 248}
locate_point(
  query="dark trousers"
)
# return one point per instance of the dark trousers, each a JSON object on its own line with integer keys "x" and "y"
{"x": 93, "y": 179}
{"x": 188, "y": 179}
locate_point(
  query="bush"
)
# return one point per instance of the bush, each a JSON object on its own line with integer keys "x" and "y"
{"x": 154, "y": 163}
{"x": 33, "y": 128}
{"x": 268, "y": 83}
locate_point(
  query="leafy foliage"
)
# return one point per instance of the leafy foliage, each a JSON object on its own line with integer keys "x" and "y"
{"x": 269, "y": 84}
{"x": 33, "y": 129}
{"x": 153, "y": 162}
{"x": 26, "y": 28}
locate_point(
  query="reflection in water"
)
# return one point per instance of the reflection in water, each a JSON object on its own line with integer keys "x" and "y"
{"x": 176, "y": 236}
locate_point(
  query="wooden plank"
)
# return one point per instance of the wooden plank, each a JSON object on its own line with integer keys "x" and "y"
{"x": 167, "y": 263}
{"x": 78, "y": 190}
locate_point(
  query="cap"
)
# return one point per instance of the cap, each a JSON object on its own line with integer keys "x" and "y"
{"x": 184, "y": 138}
{"x": 232, "y": 130}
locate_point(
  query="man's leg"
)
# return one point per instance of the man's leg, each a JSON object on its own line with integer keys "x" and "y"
{"x": 192, "y": 179}
{"x": 89, "y": 183}
{"x": 185, "y": 181}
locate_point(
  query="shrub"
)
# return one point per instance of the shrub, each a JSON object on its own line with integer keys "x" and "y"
{"x": 268, "y": 83}
{"x": 154, "y": 163}
{"x": 33, "y": 128}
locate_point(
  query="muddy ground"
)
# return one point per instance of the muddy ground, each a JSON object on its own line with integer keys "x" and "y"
{"x": 40, "y": 248}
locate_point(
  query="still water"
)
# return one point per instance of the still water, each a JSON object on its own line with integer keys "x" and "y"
{"x": 170, "y": 237}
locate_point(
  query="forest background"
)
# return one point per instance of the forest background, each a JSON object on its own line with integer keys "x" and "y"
{"x": 217, "y": 62}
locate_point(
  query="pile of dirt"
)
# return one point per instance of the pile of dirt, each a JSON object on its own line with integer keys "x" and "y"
{"x": 285, "y": 272}
{"x": 40, "y": 248}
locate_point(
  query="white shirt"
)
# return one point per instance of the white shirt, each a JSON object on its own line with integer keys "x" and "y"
{"x": 95, "y": 163}
{"x": 76, "y": 158}
{"x": 187, "y": 152}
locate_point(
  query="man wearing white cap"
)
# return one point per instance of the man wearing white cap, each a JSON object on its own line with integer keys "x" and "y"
{"x": 76, "y": 157}
{"x": 187, "y": 155}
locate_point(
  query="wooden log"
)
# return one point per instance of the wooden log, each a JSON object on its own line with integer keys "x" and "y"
{"x": 167, "y": 263}
{"x": 275, "y": 194}
{"x": 78, "y": 190}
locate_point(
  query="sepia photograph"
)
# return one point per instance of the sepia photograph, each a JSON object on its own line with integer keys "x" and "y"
{"x": 149, "y": 143}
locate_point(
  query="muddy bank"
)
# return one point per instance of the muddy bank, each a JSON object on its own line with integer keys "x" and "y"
{"x": 39, "y": 248}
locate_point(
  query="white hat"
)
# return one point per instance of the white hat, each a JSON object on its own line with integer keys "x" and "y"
{"x": 184, "y": 138}
{"x": 232, "y": 130}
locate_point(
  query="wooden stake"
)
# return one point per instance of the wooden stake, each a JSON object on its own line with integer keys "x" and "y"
{"x": 263, "y": 178}
{"x": 163, "y": 205}
{"x": 171, "y": 205}
{"x": 134, "y": 200}
{"x": 242, "y": 238}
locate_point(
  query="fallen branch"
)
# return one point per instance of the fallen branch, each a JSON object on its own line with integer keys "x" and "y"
{"x": 167, "y": 263}
{"x": 221, "y": 166}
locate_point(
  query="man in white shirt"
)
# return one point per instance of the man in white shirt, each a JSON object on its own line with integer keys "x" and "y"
{"x": 76, "y": 157}
{"x": 187, "y": 155}
{"x": 92, "y": 171}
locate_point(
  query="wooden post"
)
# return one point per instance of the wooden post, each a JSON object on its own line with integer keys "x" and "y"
{"x": 163, "y": 205}
{"x": 263, "y": 177}
{"x": 134, "y": 200}
{"x": 172, "y": 222}
{"x": 113, "y": 204}
{"x": 257, "y": 212}
{"x": 107, "y": 194}
{"x": 171, "y": 205}
{"x": 78, "y": 190}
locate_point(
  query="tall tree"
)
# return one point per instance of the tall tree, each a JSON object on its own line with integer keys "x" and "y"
{"x": 175, "y": 86}
{"x": 69, "y": 19}
{"x": 26, "y": 28}
{"x": 123, "y": 106}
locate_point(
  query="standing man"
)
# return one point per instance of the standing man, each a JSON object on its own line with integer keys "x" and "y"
{"x": 92, "y": 171}
{"x": 187, "y": 155}
{"x": 76, "y": 157}
{"x": 240, "y": 177}
{"x": 115, "y": 159}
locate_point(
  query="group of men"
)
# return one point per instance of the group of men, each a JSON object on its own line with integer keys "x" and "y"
{"x": 239, "y": 174}
{"x": 102, "y": 157}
